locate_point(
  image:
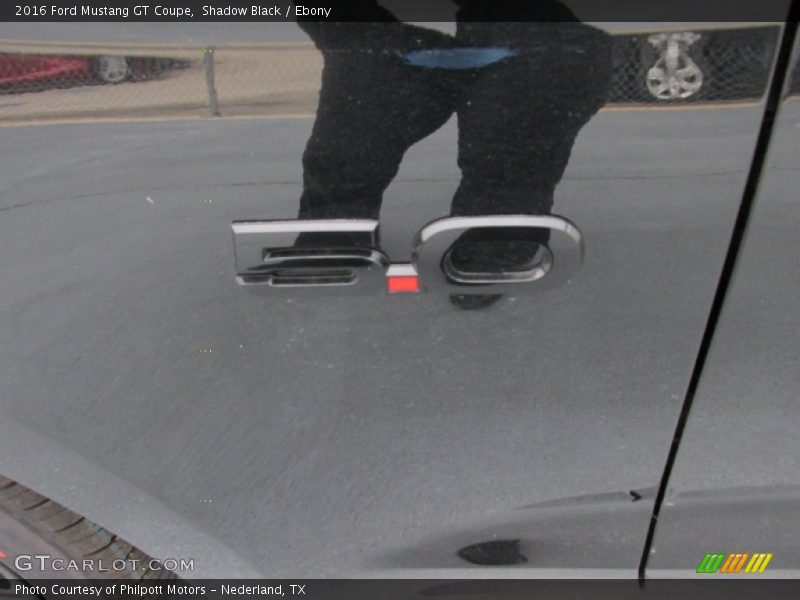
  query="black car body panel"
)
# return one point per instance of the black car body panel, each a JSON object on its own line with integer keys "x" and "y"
{"x": 295, "y": 434}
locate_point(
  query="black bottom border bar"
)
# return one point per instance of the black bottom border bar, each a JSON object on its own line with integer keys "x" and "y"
{"x": 705, "y": 586}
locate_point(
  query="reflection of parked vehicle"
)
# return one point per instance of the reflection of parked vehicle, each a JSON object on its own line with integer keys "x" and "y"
{"x": 22, "y": 73}
{"x": 111, "y": 69}
{"x": 700, "y": 64}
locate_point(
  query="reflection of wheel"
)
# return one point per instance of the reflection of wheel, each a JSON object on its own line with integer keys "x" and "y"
{"x": 111, "y": 69}
{"x": 675, "y": 75}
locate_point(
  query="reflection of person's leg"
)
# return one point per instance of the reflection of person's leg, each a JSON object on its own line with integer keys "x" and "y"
{"x": 372, "y": 108}
{"x": 518, "y": 121}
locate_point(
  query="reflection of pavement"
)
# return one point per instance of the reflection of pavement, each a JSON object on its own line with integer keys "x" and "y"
{"x": 273, "y": 79}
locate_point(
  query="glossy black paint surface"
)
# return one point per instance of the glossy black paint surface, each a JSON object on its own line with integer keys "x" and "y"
{"x": 733, "y": 477}
{"x": 317, "y": 436}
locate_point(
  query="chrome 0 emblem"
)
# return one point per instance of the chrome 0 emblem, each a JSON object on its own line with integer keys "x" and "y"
{"x": 309, "y": 255}
{"x": 675, "y": 75}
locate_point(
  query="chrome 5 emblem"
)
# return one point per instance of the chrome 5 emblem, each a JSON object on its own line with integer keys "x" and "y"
{"x": 488, "y": 254}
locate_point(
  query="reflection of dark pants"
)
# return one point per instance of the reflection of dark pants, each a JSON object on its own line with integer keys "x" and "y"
{"x": 517, "y": 119}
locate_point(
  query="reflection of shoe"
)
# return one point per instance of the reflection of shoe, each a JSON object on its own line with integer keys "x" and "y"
{"x": 474, "y": 301}
{"x": 344, "y": 239}
{"x": 324, "y": 258}
{"x": 497, "y": 251}
{"x": 495, "y": 256}
{"x": 493, "y": 253}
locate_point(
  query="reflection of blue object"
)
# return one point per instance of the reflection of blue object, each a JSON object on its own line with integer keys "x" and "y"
{"x": 457, "y": 58}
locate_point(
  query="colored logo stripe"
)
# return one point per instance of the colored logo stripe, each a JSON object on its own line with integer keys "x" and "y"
{"x": 758, "y": 563}
{"x": 719, "y": 562}
{"x": 734, "y": 563}
{"x": 711, "y": 563}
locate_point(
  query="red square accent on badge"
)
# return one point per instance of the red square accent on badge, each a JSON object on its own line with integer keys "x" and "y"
{"x": 402, "y": 284}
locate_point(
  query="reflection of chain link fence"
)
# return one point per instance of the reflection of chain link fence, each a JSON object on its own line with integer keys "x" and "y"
{"x": 39, "y": 81}
{"x": 127, "y": 81}
{"x": 728, "y": 64}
